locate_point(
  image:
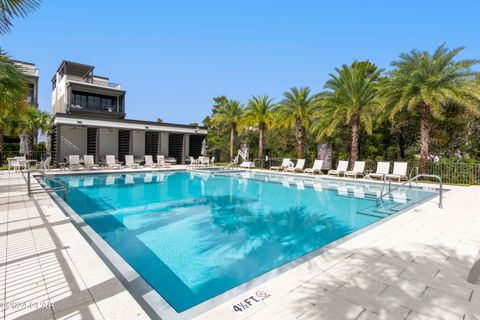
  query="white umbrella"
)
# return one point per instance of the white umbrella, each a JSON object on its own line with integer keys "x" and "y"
{"x": 23, "y": 143}
{"x": 204, "y": 148}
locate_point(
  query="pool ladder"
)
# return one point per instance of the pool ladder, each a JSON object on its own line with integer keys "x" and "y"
{"x": 390, "y": 190}
{"x": 63, "y": 187}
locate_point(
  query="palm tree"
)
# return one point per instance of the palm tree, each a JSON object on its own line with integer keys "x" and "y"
{"x": 352, "y": 100}
{"x": 296, "y": 111}
{"x": 32, "y": 120}
{"x": 424, "y": 83}
{"x": 14, "y": 8}
{"x": 258, "y": 113}
{"x": 12, "y": 95}
{"x": 229, "y": 113}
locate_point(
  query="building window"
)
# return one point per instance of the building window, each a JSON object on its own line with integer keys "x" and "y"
{"x": 83, "y": 100}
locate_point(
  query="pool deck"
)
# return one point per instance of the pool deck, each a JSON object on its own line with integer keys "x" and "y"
{"x": 411, "y": 266}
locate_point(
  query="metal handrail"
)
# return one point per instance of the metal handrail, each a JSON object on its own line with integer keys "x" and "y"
{"x": 63, "y": 187}
{"x": 390, "y": 190}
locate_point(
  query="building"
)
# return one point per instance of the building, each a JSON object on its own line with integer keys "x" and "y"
{"x": 89, "y": 118}
{"x": 31, "y": 77}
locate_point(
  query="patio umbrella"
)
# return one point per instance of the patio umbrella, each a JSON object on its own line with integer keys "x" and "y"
{"x": 204, "y": 148}
{"x": 23, "y": 143}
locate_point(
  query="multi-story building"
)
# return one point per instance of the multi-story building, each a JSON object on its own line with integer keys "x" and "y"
{"x": 89, "y": 117}
{"x": 31, "y": 77}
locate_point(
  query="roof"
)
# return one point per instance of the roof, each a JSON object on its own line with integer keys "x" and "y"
{"x": 90, "y": 120}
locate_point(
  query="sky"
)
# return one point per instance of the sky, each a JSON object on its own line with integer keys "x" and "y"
{"x": 173, "y": 57}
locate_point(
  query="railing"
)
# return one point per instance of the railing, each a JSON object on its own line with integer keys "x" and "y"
{"x": 390, "y": 190}
{"x": 94, "y": 81}
{"x": 96, "y": 108}
{"x": 46, "y": 188}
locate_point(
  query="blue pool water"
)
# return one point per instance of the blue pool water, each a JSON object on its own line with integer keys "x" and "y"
{"x": 192, "y": 236}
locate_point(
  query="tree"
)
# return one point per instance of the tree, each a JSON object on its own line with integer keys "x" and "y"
{"x": 296, "y": 111}
{"x": 32, "y": 120}
{"x": 425, "y": 83}
{"x": 13, "y": 91}
{"x": 229, "y": 113}
{"x": 14, "y": 8}
{"x": 352, "y": 100}
{"x": 258, "y": 113}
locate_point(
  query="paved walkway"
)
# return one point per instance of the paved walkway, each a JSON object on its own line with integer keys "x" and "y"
{"x": 47, "y": 269}
{"x": 413, "y": 266}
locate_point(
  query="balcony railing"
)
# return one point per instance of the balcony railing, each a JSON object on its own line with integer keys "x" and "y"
{"x": 95, "y": 82}
{"x": 94, "y": 108}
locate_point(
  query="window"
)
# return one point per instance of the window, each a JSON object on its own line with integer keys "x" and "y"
{"x": 98, "y": 102}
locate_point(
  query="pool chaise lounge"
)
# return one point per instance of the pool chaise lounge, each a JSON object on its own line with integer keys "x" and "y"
{"x": 383, "y": 168}
{"x": 285, "y": 164}
{"x": 74, "y": 162}
{"x": 317, "y": 167}
{"x": 399, "y": 171}
{"x": 298, "y": 167}
{"x": 149, "y": 162}
{"x": 358, "y": 169}
{"x": 112, "y": 163}
{"x": 89, "y": 162}
{"x": 341, "y": 168}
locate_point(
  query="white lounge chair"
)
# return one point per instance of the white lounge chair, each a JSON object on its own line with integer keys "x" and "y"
{"x": 317, "y": 167}
{"x": 298, "y": 167}
{"x": 399, "y": 171}
{"x": 285, "y": 164}
{"x": 111, "y": 162}
{"x": 149, "y": 161}
{"x": 383, "y": 168}
{"x": 341, "y": 168}
{"x": 89, "y": 162}
{"x": 358, "y": 169}
{"x": 74, "y": 162}
{"x": 161, "y": 162}
{"x": 129, "y": 162}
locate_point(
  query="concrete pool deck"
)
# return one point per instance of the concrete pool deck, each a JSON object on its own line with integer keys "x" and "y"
{"x": 412, "y": 266}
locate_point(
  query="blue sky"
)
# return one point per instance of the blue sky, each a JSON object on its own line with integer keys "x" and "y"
{"x": 172, "y": 57}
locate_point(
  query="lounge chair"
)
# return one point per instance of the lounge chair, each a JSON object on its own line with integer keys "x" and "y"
{"x": 149, "y": 162}
{"x": 317, "y": 167}
{"x": 383, "y": 168}
{"x": 358, "y": 169}
{"x": 161, "y": 162}
{"x": 399, "y": 171}
{"x": 298, "y": 167}
{"x": 285, "y": 164}
{"x": 74, "y": 162}
{"x": 111, "y": 162}
{"x": 129, "y": 162}
{"x": 341, "y": 168}
{"x": 89, "y": 162}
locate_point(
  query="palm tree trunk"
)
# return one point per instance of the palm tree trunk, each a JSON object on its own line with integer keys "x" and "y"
{"x": 355, "y": 137}
{"x": 232, "y": 140}
{"x": 299, "y": 133}
{"x": 261, "y": 137}
{"x": 1, "y": 147}
{"x": 425, "y": 115}
{"x": 31, "y": 144}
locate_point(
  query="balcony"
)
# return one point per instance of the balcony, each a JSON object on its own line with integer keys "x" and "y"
{"x": 96, "y": 81}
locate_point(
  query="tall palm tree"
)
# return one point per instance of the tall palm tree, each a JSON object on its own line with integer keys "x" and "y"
{"x": 230, "y": 113}
{"x": 14, "y": 8}
{"x": 258, "y": 113}
{"x": 424, "y": 82}
{"x": 296, "y": 111}
{"x": 32, "y": 120}
{"x": 13, "y": 91}
{"x": 352, "y": 100}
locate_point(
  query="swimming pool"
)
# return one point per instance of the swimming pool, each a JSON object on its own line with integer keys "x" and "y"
{"x": 195, "y": 235}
